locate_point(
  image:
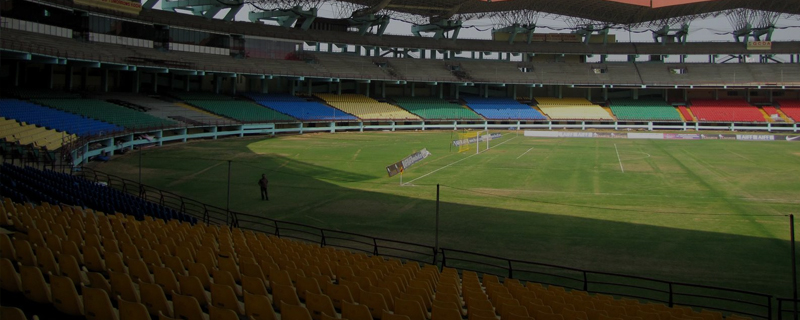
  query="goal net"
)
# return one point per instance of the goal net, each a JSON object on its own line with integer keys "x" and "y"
{"x": 472, "y": 140}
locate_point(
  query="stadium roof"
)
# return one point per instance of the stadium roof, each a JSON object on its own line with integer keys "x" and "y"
{"x": 609, "y": 11}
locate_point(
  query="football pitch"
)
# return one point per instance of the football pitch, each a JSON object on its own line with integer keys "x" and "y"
{"x": 710, "y": 212}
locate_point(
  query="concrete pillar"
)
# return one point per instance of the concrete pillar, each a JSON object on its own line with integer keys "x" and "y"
{"x": 49, "y": 70}
{"x": 67, "y": 78}
{"x": 171, "y": 81}
{"x": 233, "y": 85}
{"x": 310, "y": 86}
{"x": 458, "y": 88}
{"x": 560, "y": 92}
{"x": 383, "y": 89}
{"x": 369, "y": 84}
{"x": 155, "y": 82}
{"x": 412, "y": 89}
{"x": 605, "y": 94}
{"x": 441, "y": 90}
{"x": 104, "y": 79}
{"x": 589, "y": 94}
{"x": 339, "y": 87}
{"x": 635, "y": 94}
{"x": 514, "y": 91}
{"x": 187, "y": 83}
{"x": 84, "y": 77}
{"x": 136, "y": 77}
{"x": 218, "y": 84}
{"x": 264, "y": 85}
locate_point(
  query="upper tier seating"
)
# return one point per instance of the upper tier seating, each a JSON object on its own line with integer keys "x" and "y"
{"x": 108, "y": 112}
{"x": 300, "y": 108}
{"x": 55, "y": 187}
{"x": 572, "y": 109}
{"x": 725, "y": 111}
{"x": 366, "y": 108}
{"x": 629, "y": 109}
{"x": 244, "y": 111}
{"x": 790, "y": 108}
{"x": 502, "y": 109}
{"x": 435, "y": 108}
{"x": 54, "y": 119}
{"x": 29, "y": 134}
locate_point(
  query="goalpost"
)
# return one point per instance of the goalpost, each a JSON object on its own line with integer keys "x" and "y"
{"x": 469, "y": 140}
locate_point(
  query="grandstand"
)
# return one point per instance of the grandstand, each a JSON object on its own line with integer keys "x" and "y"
{"x": 54, "y": 119}
{"x": 571, "y": 109}
{"x": 243, "y": 111}
{"x": 107, "y": 112}
{"x": 14, "y": 132}
{"x": 435, "y": 109}
{"x": 175, "y": 261}
{"x": 121, "y": 77}
{"x": 790, "y": 108}
{"x": 300, "y": 108}
{"x": 726, "y": 111}
{"x": 502, "y": 109}
{"x": 366, "y": 108}
{"x": 644, "y": 110}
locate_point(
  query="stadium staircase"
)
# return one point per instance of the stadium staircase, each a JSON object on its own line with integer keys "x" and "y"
{"x": 66, "y": 257}
{"x": 686, "y": 114}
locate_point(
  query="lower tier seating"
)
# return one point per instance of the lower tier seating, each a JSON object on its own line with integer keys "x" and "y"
{"x": 790, "y": 108}
{"x": 366, "y": 108}
{"x": 726, "y": 111}
{"x": 646, "y": 110}
{"x": 435, "y": 109}
{"x": 572, "y": 109}
{"x": 24, "y": 111}
{"x": 502, "y": 109}
{"x": 88, "y": 263}
{"x": 244, "y": 111}
{"x": 300, "y": 108}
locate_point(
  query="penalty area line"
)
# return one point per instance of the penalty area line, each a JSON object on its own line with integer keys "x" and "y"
{"x": 619, "y": 159}
{"x": 520, "y": 156}
{"x": 470, "y": 156}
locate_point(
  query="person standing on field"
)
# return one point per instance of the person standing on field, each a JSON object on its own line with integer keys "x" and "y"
{"x": 263, "y": 184}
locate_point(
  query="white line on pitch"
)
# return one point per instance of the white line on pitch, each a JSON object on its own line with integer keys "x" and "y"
{"x": 520, "y": 156}
{"x": 470, "y": 156}
{"x": 618, "y": 158}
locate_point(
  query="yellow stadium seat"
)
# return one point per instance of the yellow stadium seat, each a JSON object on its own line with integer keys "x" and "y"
{"x": 132, "y": 310}
{"x": 34, "y": 286}
{"x": 97, "y": 305}
{"x": 294, "y": 312}
{"x": 353, "y": 311}
{"x": 258, "y": 307}
{"x": 9, "y": 278}
{"x": 187, "y": 308}
{"x": 191, "y": 286}
{"x": 410, "y": 308}
{"x": 154, "y": 299}
{"x": 222, "y": 296}
{"x": 65, "y": 297}
{"x": 319, "y": 304}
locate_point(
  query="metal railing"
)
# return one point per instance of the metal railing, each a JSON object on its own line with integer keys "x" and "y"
{"x": 671, "y": 293}
{"x": 786, "y": 308}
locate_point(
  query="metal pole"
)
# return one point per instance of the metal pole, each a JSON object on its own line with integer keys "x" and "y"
{"x": 436, "y": 245}
{"x": 794, "y": 269}
{"x": 228, "y": 202}
{"x": 140, "y": 165}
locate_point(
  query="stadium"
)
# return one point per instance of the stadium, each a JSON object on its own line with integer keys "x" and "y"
{"x": 426, "y": 160}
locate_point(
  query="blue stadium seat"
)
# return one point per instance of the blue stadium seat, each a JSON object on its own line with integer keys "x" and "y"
{"x": 300, "y": 108}
{"x": 31, "y": 113}
{"x": 502, "y": 109}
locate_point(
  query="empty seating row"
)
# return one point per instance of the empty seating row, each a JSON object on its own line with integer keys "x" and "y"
{"x": 629, "y": 109}
{"x": 790, "y": 108}
{"x": 435, "y": 108}
{"x": 725, "y": 111}
{"x": 572, "y": 109}
{"x": 12, "y": 131}
{"x": 502, "y": 108}
{"x": 244, "y": 111}
{"x": 300, "y": 108}
{"x": 85, "y": 262}
{"x": 366, "y": 108}
{"x": 54, "y": 119}
{"x": 56, "y": 187}
{"x": 107, "y": 112}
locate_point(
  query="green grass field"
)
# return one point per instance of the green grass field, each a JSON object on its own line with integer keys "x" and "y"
{"x": 707, "y": 212}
